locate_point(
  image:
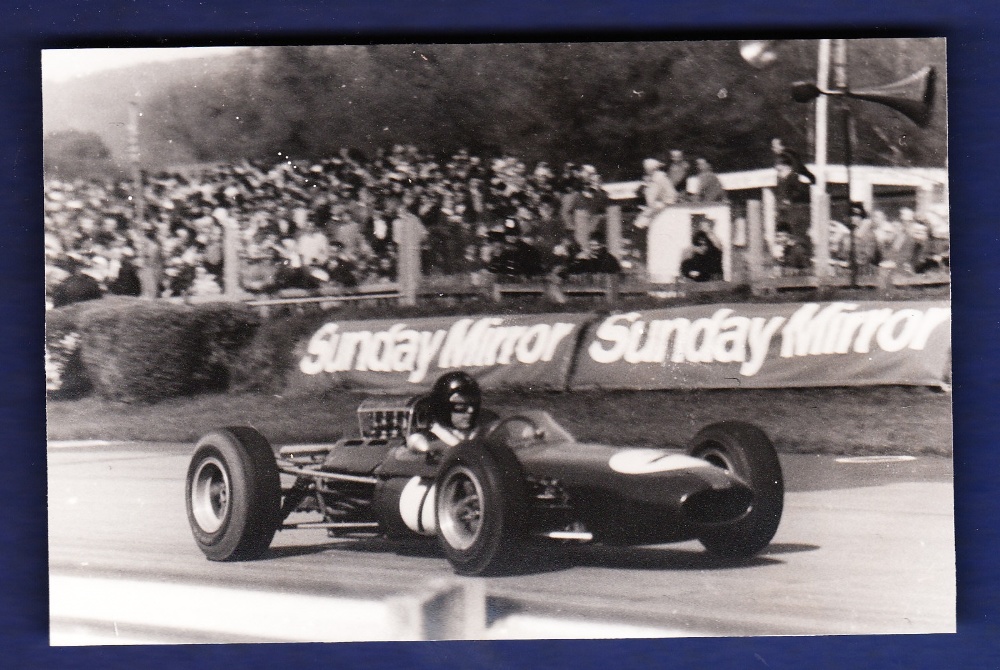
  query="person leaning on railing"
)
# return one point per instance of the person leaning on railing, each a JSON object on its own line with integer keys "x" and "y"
{"x": 657, "y": 191}
{"x": 792, "y": 196}
{"x": 709, "y": 188}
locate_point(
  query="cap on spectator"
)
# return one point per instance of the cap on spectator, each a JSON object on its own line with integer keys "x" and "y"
{"x": 858, "y": 209}
{"x": 651, "y": 164}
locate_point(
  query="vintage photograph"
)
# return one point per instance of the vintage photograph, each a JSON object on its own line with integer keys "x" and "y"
{"x": 379, "y": 342}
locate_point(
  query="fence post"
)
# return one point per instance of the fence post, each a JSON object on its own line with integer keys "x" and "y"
{"x": 755, "y": 245}
{"x": 886, "y": 274}
{"x": 769, "y": 213}
{"x": 614, "y": 230}
{"x": 925, "y": 198}
{"x": 408, "y": 262}
{"x": 444, "y": 609}
{"x": 821, "y": 236}
{"x": 612, "y": 286}
{"x": 231, "y": 258}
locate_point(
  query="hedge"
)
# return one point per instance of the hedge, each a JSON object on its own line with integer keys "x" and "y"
{"x": 133, "y": 350}
{"x": 226, "y": 330}
{"x": 263, "y": 365}
{"x": 65, "y": 376}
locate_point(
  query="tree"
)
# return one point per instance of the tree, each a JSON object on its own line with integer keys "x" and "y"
{"x": 608, "y": 104}
{"x": 72, "y": 154}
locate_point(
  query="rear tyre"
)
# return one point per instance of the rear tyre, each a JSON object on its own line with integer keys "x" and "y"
{"x": 480, "y": 509}
{"x": 233, "y": 494}
{"x": 747, "y": 452}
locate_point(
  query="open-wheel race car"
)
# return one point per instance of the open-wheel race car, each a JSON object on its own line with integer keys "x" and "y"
{"x": 519, "y": 478}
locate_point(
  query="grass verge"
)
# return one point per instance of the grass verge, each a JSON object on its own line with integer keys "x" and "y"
{"x": 857, "y": 421}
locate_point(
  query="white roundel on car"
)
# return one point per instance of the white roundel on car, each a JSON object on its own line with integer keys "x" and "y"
{"x": 647, "y": 461}
{"x": 416, "y": 506}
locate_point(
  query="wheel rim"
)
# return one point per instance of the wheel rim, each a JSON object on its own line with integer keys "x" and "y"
{"x": 460, "y": 508}
{"x": 210, "y": 495}
{"x": 717, "y": 457}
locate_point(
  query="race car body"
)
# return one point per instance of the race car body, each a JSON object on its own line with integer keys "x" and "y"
{"x": 521, "y": 477}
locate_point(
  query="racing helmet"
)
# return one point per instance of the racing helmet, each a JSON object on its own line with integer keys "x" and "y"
{"x": 456, "y": 393}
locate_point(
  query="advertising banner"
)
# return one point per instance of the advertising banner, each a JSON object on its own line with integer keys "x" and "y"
{"x": 404, "y": 356}
{"x": 768, "y": 346}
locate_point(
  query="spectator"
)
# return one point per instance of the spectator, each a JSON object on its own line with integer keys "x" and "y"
{"x": 709, "y": 187}
{"x": 866, "y": 250}
{"x": 77, "y": 287}
{"x": 782, "y": 154}
{"x": 312, "y": 246}
{"x": 679, "y": 171}
{"x": 592, "y": 259}
{"x": 127, "y": 282}
{"x": 514, "y": 255}
{"x": 890, "y": 238}
{"x": 342, "y": 267}
{"x": 349, "y": 234}
{"x": 792, "y": 197}
{"x": 703, "y": 260}
{"x": 378, "y": 238}
{"x": 258, "y": 273}
{"x": 590, "y": 206}
{"x": 839, "y": 240}
{"x": 914, "y": 249}
{"x": 204, "y": 284}
{"x": 570, "y": 188}
{"x": 939, "y": 243}
{"x": 658, "y": 192}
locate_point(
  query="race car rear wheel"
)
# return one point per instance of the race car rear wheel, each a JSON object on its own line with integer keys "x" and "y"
{"x": 480, "y": 509}
{"x": 746, "y": 451}
{"x": 233, "y": 494}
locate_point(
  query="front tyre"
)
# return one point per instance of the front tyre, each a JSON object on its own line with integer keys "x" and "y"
{"x": 746, "y": 451}
{"x": 480, "y": 509}
{"x": 233, "y": 494}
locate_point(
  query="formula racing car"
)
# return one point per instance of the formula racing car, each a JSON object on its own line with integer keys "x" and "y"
{"x": 519, "y": 478}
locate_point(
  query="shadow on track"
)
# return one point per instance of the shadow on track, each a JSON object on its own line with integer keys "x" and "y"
{"x": 540, "y": 558}
{"x": 641, "y": 558}
{"x": 788, "y": 548}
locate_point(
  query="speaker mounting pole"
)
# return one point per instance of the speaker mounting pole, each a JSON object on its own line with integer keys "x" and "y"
{"x": 913, "y": 97}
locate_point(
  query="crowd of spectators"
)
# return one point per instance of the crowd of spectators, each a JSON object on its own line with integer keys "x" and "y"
{"x": 907, "y": 244}
{"x": 330, "y": 223}
{"x": 335, "y": 223}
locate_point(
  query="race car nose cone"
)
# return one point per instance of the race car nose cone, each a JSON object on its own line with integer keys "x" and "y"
{"x": 717, "y": 505}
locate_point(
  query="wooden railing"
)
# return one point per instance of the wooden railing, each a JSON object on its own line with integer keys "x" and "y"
{"x": 605, "y": 289}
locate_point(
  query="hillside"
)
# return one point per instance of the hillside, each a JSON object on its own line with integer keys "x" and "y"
{"x": 99, "y": 103}
{"x": 532, "y": 100}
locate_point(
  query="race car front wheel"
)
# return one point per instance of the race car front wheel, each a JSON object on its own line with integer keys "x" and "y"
{"x": 479, "y": 508}
{"x": 747, "y": 452}
{"x": 233, "y": 494}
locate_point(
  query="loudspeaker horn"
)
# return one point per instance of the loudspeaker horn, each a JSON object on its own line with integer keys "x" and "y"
{"x": 758, "y": 53}
{"x": 913, "y": 96}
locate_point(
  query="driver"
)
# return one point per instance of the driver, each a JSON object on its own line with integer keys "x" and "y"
{"x": 455, "y": 411}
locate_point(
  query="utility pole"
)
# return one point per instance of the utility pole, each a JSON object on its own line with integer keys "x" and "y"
{"x": 138, "y": 201}
{"x": 820, "y": 215}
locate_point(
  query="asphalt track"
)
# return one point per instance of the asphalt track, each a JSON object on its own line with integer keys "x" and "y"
{"x": 865, "y": 547}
